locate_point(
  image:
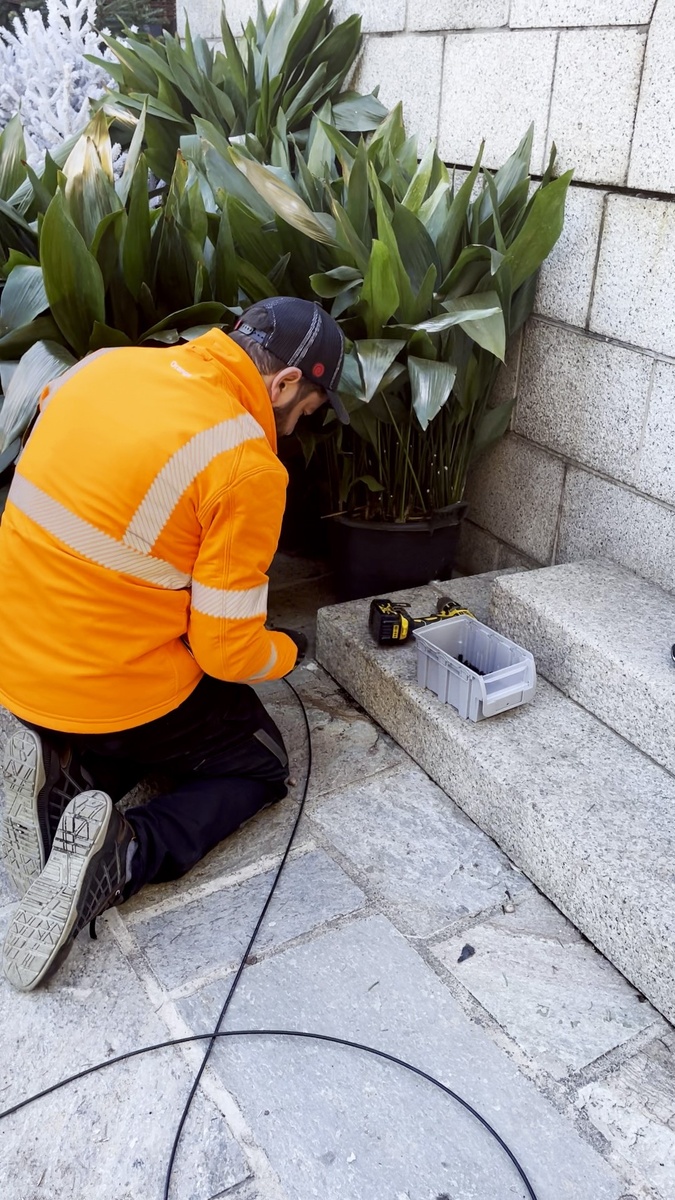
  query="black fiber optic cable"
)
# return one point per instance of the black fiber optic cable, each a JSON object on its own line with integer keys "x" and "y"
{"x": 247, "y": 951}
{"x": 212, "y": 1037}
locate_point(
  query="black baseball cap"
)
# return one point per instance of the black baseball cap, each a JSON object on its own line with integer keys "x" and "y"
{"x": 302, "y": 335}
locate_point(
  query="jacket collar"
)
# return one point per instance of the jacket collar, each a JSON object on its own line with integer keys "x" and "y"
{"x": 254, "y": 395}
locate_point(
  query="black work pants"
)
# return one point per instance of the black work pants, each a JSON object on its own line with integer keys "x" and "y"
{"x": 224, "y": 756}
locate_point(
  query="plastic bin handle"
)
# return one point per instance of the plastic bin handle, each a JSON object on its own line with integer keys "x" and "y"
{"x": 525, "y": 674}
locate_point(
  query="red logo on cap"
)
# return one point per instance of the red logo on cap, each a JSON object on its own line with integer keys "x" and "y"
{"x": 318, "y": 370}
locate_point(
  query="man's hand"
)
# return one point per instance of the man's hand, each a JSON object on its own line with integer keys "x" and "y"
{"x": 300, "y": 641}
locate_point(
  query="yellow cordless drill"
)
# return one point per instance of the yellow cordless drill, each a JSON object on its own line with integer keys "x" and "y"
{"x": 390, "y": 623}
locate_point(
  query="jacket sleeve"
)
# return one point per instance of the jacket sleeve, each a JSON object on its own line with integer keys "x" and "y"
{"x": 228, "y": 608}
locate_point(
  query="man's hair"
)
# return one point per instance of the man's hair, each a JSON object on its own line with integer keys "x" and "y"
{"x": 268, "y": 364}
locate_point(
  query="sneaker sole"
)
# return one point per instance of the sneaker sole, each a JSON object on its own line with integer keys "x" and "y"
{"x": 21, "y": 844}
{"x": 42, "y": 930}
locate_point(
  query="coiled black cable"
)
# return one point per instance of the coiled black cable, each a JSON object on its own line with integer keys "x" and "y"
{"x": 217, "y": 1032}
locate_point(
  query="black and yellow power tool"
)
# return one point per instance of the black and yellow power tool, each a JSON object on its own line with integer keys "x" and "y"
{"x": 390, "y": 623}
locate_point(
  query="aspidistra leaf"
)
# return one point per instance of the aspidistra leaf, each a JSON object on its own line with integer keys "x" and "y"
{"x": 379, "y": 294}
{"x": 12, "y": 156}
{"x": 72, "y": 277}
{"x": 38, "y": 367}
{"x": 376, "y": 356}
{"x": 23, "y": 298}
{"x": 283, "y": 200}
{"x": 540, "y": 231}
{"x": 479, "y": 315}
{"x": 431, "y": 384}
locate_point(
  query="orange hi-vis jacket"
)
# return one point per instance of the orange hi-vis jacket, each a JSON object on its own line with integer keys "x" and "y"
{"x": 143, "y": 516}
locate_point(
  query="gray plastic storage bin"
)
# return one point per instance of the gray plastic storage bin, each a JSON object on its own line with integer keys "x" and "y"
{"x": 509, "y": 676}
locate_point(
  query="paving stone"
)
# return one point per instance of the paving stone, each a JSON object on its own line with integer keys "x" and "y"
{"x": 652, "y": 160}
{"x": 346, "y": 746}
{"x": 295, "y": 607}
{"x": 566, "y": 277}
{"x": 554, "y": 994}
{"x": 457, "y": 14}
{"x": 407, "y": 68}
{"x": 494, "y": 86}
{"x": 634, "y": 1107}
{"x": 589, "y": 818}
{"x": 603, "y": 636}
{"x": 635, "y": 285}
{"x": 212, "y": 931}
{"x": 583, "y": 398}
{"x": 600, "y": 519}
{"x": 580, "y": 12}
{"x": 429, "y": 865}
{"x": 656, "y": 471}
{"x": 287, "y": 570}
{"x": 514, "y": 492}
{"x": 334, "y": 1122}
{"x": 8, "y": 725}
{"x": 375, "y": 17}
{"x": 109, "y": 1135}
{"x": 595, "y": 93}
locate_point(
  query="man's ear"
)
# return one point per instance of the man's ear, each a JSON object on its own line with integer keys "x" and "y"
{"x": 281, "y": 383}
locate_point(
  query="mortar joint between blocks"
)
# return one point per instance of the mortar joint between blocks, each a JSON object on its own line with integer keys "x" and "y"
{"x": 440, "y": 92}
{"x": 572, "y": 462}
{"x": 556, "y": 535}
{"x": 637, "y": 108}
{"x": 606, "y": 339}
{"x": 196, "y": 983}
{"x": 596, "y": 263}
{"x": 550, "y": 100}
{"x": 645, "y": 424}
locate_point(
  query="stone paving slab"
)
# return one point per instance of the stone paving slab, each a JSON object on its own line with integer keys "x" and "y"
{"x": 589, "y": 818}
{"x": 602, "y": 636}
{"x": 367, "y": 1130}
{"x": 421, "y": 855}
{"x": 304, "y": 1122}
{"x": 346, "y": 745}
{"x": 560, "y": 1000}
{"x": 213, "y": 931}
{"x": 109, "y": 1135}
{"x": 634, "y": 1107}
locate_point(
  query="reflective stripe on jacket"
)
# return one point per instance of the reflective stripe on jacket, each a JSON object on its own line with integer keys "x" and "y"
{"x": 144, "y": 514}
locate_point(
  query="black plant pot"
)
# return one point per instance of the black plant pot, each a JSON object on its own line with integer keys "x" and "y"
{"x": 373, "y": 558}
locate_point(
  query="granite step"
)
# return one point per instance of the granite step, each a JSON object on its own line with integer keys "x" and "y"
{"x": 603, "y": 637}
{"x": 587, "y": 816}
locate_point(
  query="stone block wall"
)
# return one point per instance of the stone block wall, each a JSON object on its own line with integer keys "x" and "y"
{"x": 588, "y": 467}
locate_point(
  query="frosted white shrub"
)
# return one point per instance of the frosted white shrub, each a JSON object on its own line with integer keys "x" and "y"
{"x": 44, "y": 75}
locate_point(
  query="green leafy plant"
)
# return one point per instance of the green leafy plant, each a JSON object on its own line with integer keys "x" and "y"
{"x": 100, "y": 268}
{"x": 286, "y": 66}
{"x": 429, "y": 281}
{"x": 15, "y": 231}
{"x": 118, "y": 15}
